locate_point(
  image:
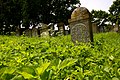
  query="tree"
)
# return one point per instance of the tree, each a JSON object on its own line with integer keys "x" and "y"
{"x": 46, "y": 11}
{"x": 5, "y": 18}
{"x": 10, "y": 15}
{"x": 100, "y": 17}
{"x": 115, "y": 13}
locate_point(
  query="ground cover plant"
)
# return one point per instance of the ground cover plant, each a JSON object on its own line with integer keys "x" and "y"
{"x": 57, "y": 58}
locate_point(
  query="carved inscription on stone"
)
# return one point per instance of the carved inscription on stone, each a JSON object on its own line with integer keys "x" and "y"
{"x": 80, "y": 33}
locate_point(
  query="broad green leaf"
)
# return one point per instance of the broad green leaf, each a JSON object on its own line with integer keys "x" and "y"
{"x": 28, "y": 70}
{"x": 9, "y": 71}
{"x": 106, "y": 69}
{"x": 54, "y": 67}
{"x": 55, "y": 64}
{"x": 87, "y": 72}
{"x": 40, "y": 70}
{"x": 67, "y": 62}
{"x": 19, "y": 77}
{"x": 115, "y": 78}
{"x": 27, "y": 75}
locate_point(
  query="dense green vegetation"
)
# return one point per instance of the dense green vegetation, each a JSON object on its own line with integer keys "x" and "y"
{"x": 57, "y": 58}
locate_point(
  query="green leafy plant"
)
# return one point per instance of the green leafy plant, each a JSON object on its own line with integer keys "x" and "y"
{"x": 57, "y": 58}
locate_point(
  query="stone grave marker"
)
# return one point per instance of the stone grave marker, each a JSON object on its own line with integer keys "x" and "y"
{"x": 18, "y": 31}
{"x": 35, "y": 32}
{"x": 95, "y": 28}
{"x": 51, "y": 29}
{"x": 80, "y": 25}
{"x": 44, "y": 30}
{"x": 28, "y": 33}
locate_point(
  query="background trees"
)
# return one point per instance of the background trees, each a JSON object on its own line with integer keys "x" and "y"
{"x": 12, "y": 12}
{"x": 46, "y": 11}
{"x": 113, "y": 16}
{"x": 100, "y": 18}
{"x": 10, "y": 15}
{"x": 115, "y": 13}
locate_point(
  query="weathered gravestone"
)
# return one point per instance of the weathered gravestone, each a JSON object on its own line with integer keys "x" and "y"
{"x": 51, "y": 29}
{"x": 95, "y": 28}
{"x": 35, "y": 32}
{"x": 44, "y": 30}
{"x": 19, "y": 31}
{"x": 28, "y": 33}
{"x": 80, "y": 25}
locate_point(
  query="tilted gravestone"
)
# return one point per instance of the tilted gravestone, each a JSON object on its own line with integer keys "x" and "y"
{"x": 80, "y": 25}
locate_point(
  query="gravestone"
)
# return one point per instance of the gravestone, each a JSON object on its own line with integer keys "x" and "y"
{"x": 80, "y": 25}
{"x": 18, "y": 31}
{"x": 51, "y": 29}
{"x": 28, "y": 33}
{"x": 44, "y": 30}
{"x": 95, "y": 28}
{"x": 114, "y": 28}
{"x": 35, "y": 32}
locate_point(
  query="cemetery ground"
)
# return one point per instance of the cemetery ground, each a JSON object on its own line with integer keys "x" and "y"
{"x": 57, "y": 58}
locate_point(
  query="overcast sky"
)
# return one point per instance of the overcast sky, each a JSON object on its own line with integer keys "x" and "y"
{"x": 96, "y": 4}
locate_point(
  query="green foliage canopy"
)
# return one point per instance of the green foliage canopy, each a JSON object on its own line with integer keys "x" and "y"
{"x": 100, "y": 17}
{"x": 46, "y": 11}
{"x": 115, "y": 12}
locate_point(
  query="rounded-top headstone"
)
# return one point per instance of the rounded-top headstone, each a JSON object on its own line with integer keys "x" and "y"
{"x": 80, "y": 25}
{"x": 80, "y": 13}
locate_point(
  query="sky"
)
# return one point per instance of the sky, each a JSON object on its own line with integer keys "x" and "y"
{"x": 96, "y": 4}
